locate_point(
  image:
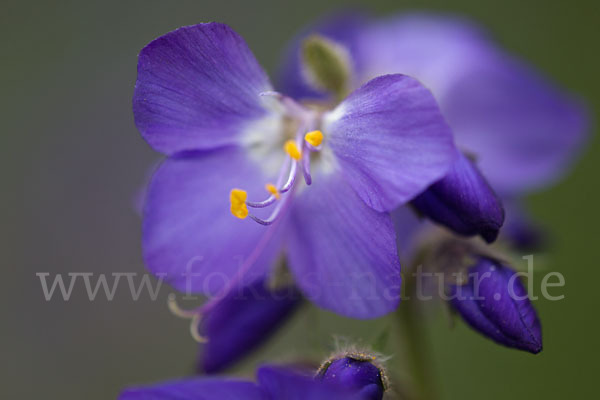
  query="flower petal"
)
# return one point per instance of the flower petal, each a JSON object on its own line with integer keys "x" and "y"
{"x": 495, "y": 303}
{"x": 282, "y": 383}
{"x": 197, "y": 88}
{"x": 190, "y": 237}
{"x": 243, "y": 320}
{"x": 463, "y": 201}
{"x": 390, "y": 140}
{"x": 343, "y": 253}
{"x": 196, "y": 389}
{"x": 523, "y": 131}
{"x": 431, "y": 48}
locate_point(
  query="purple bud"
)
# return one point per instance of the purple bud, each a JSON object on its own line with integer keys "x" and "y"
{"x": 241, "y": 322}
{"x": 495, "y": 303}
{"x": 463, "y": 201}
{"x": 357, "y": 373}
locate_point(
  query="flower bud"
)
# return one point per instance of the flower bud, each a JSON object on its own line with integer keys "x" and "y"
{"x": 495, "y": 303}
{"x": 356, "y": 372}
{"x": 463, "y": 201}
{"x": 326, "y": 65}
{"x": 242, "y": 321}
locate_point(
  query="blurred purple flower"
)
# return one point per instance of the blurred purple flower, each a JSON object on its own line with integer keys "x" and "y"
{"x": 495, "y": 303}
{"x": 521, "y": 131}
{"x": 202, "y": 99}
{"x": 521, "y": 231}
{"x": 273, "y": 383}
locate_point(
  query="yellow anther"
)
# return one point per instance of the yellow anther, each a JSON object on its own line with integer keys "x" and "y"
{"x": 240, "y": 211}
{"x": 237, "y": 198}
{"x": 315, "y": 138}
{"x": 273, "y": 190}
{"x": 292, "y": 150}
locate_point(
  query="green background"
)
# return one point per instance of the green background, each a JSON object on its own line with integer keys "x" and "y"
{"x": 72, "y": 161}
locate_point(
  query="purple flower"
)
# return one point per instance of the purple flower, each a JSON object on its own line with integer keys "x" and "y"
{"x": 495, "y": 303}
{"x": 242, "y": 321}
{"x": 273, "y": 383}
{"x": 356, "y": 372}
{"x": 202, "y": 99}
{"x": 521, "y": 131}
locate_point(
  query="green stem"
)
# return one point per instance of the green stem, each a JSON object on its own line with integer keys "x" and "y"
{"x": 416, "y": 348}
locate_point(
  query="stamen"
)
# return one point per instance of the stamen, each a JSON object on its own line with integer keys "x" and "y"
{"x": 273, "y": 217}
{"x": 178, "y": 311}
{"x": 314, "y": 138}
{"x": 271, "y": 199}
{"x": 273, "y": 190}
{"x": 291, "y": 179}
{"x": 195, "y": 317}
{"x": 262, "y": 204}
{"x": 237, "y": 198}
{"x": 288, "y": 185}
{"x": 292, "y": 150}
{"x": 265, "y": 222}
{"x": 306, "y": 167}
{"x": 195, "y": 328}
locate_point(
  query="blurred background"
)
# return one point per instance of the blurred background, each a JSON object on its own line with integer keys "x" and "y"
{"x": 72, "y": 161}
